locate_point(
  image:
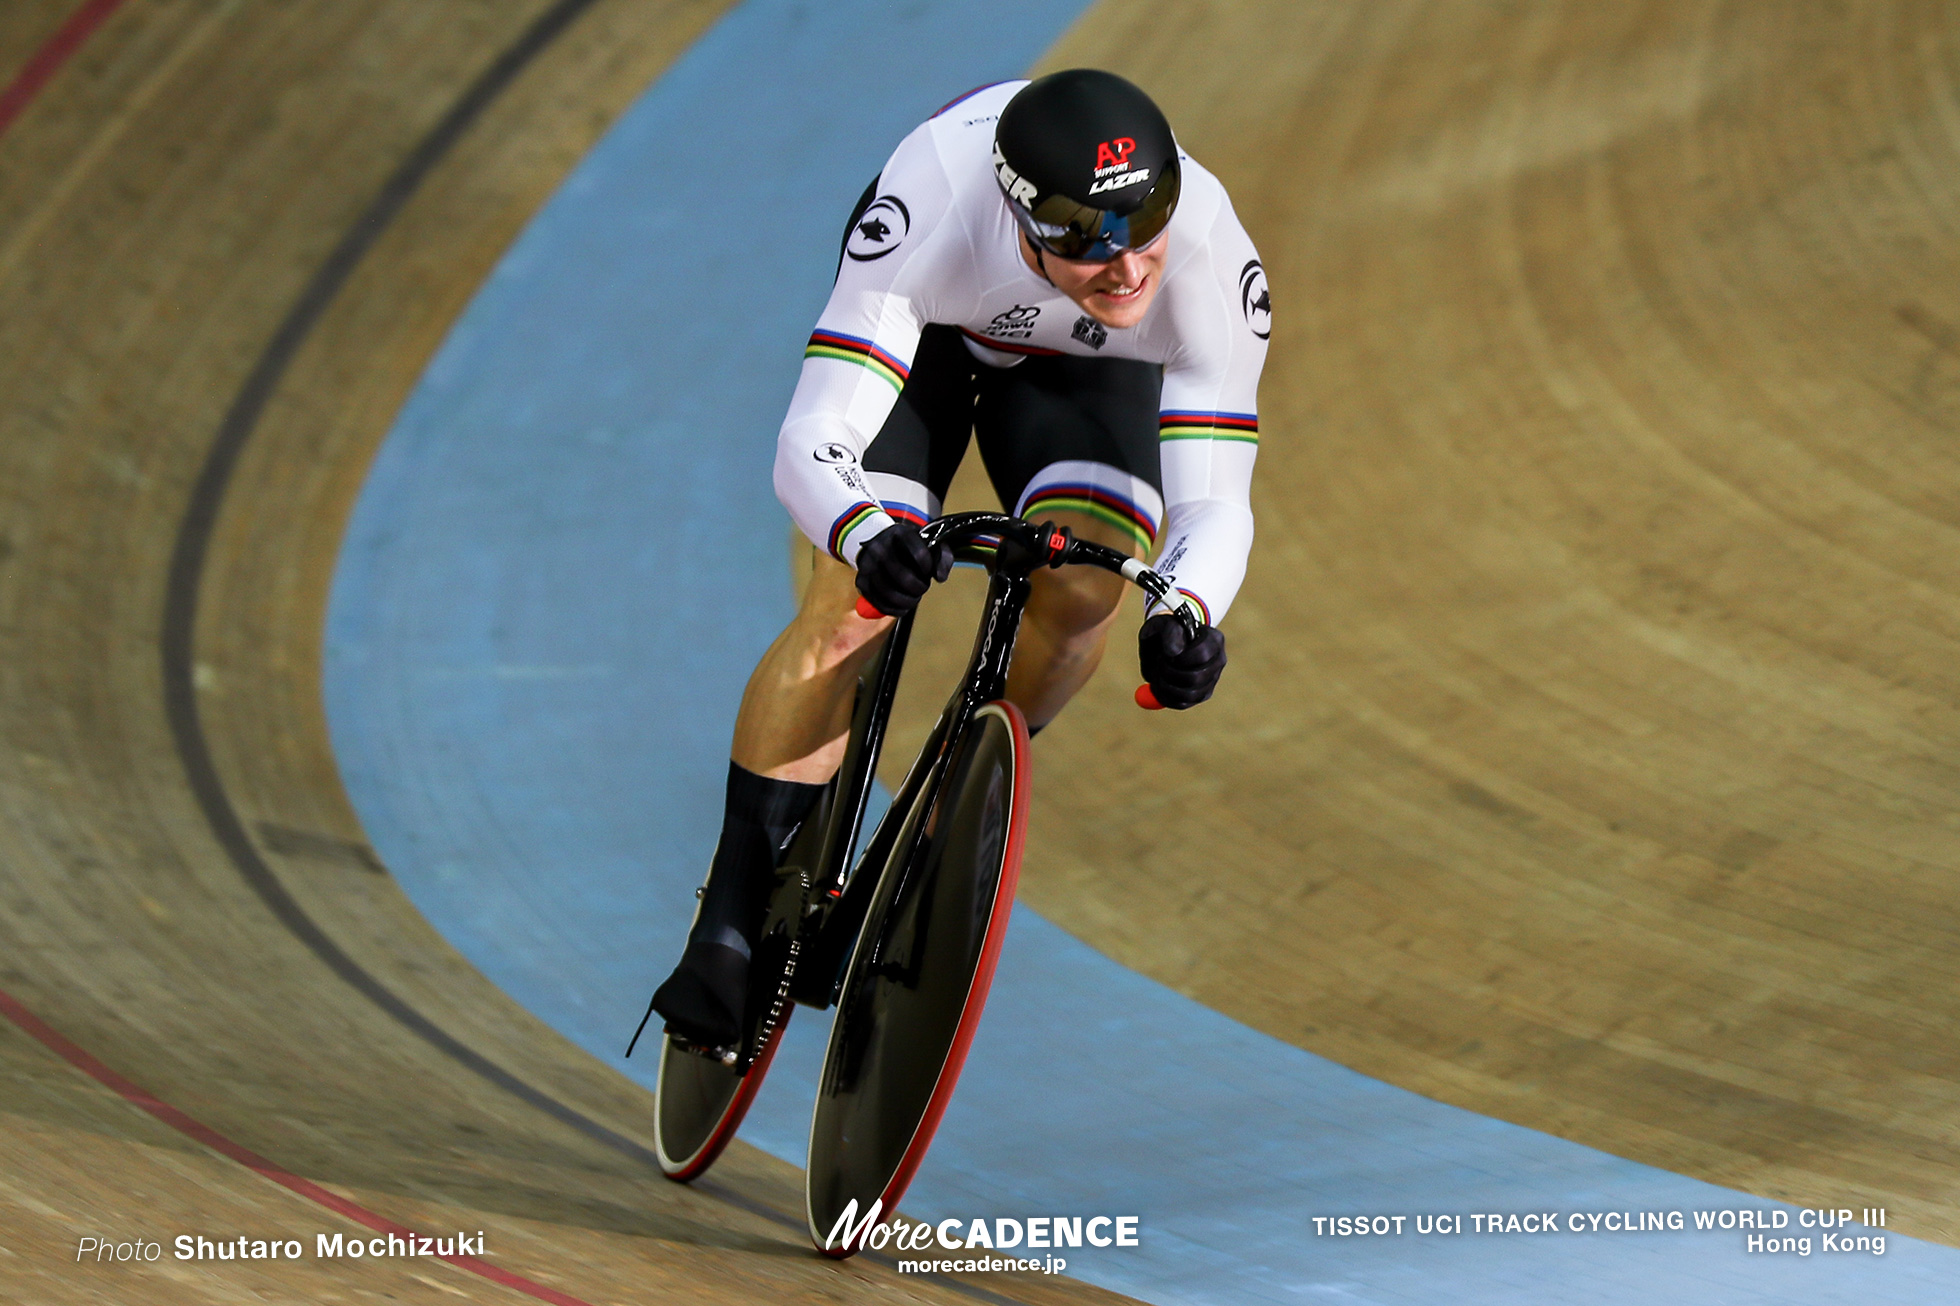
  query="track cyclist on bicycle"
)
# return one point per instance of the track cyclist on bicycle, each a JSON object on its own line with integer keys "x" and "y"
{"x": 1040, "y": 265}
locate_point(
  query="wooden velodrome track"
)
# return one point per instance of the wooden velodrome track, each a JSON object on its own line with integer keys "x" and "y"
{"x": 1589, "y": 753}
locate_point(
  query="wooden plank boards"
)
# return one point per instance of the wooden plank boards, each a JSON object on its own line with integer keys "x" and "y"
{"x": 163, "y": 210}
{"x": 1588, "y": 752}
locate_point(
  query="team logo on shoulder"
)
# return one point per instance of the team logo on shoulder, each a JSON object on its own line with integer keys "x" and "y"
{"x": 1090, "y": 332}
{"x": 880, "y": 228}
{"x": 1255, "y": 300}
{"x": 832, "y": 452}
{"x": 1017, "y": 323}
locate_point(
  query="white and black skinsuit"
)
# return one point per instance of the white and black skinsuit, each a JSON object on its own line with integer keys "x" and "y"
{"x": 937, "y": 245}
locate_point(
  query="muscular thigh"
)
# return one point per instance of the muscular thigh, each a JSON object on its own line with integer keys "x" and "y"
{"x": 1076, "y": 436}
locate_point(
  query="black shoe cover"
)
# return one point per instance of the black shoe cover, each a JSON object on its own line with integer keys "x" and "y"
{"x": 702, "y": 1000}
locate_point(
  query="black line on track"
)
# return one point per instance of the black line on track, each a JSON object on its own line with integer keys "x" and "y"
{"x": 200, "y": 521}
{"x": 186, "y": 577}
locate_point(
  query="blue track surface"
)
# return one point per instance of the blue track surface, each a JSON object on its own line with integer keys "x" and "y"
{"x": 563, "y": 567}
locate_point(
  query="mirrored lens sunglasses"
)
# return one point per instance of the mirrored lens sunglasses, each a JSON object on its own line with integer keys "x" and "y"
{"x": 1077, "y": 232}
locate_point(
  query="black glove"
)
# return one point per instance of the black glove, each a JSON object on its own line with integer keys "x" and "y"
{"x": 896, "y": 566}
{"x": 1180, "y": 672}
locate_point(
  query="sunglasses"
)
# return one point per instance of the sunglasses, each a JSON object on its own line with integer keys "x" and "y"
{"x": 1082, "y": 234}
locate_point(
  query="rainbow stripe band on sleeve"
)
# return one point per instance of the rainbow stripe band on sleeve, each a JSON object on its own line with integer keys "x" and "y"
{"x": 1096, "y": 502}
{"x": 1202, "y": 609}
{"x": 854, "y": 516}
{"x": 1180, "y": 425}
{"x": 865, "y": 353}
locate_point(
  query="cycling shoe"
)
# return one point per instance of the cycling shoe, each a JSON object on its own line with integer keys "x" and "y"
{"x": 702, "y": 1000}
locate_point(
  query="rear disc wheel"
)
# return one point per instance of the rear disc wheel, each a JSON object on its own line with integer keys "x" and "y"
{"x": 918, "y": 982}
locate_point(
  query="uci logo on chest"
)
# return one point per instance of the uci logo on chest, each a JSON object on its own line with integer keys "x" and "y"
{"x": 879, "y": 229}
{"x": 1017, "y": 323}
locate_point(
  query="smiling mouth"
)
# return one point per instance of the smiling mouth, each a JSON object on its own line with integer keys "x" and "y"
{"x": 1123, "y": 292}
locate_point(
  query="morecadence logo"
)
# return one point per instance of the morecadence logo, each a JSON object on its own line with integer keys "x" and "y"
{"x": 1035, "y": 1233}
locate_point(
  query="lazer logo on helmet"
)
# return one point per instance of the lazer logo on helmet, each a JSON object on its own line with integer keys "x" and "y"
{"x": 1018, "y": 188}
{"x": 1120, "y": 180}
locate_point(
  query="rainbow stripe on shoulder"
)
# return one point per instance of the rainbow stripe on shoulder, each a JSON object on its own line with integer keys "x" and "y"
{"x": 958, "y": 100}
{"x": 1179, "y": 424}
{"x": 865, "y": 353}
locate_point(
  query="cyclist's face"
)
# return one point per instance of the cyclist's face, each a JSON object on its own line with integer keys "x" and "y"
{"x": 1116, "y": 293}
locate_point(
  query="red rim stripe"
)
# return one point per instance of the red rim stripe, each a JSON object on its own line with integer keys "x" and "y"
{"x": 47, "y": 60}
{"x": 738, "y": 1107}
{"x": 983, "y": 973}
{"x": 56, "y": 1043}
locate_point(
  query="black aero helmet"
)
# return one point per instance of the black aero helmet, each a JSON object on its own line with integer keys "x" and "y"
{"x": 1088, "y": 164}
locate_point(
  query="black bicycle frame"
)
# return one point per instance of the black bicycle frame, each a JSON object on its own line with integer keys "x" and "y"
{"x": 839, "y": 895}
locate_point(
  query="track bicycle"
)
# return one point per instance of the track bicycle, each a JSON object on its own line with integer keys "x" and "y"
{"x": 904, "y": 938}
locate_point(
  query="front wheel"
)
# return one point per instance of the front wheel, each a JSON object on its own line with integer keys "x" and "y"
{"x": 699, "y": 1102}
{"x": 918, "y": 981}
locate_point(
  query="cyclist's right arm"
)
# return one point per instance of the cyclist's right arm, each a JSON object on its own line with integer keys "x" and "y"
{"x": 861, "y": 352}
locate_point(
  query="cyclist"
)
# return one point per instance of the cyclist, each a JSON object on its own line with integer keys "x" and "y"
{"x": 1039, "y": 264}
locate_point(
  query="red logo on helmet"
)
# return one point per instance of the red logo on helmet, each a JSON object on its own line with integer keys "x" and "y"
{"x": 1114, "y": 154}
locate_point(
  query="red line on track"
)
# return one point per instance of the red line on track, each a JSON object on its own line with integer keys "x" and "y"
{"x": 53, "y": 53}
{"x": 217, "y": 1142}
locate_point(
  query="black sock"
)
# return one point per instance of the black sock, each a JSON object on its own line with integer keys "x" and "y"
{"x": 760, "y": 817}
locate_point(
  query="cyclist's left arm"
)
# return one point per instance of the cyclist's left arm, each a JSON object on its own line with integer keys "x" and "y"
{"x": 1209, "y": 421}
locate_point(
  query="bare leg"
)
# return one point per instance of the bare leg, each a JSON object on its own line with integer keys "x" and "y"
{"x": 1067, "y": 625}
{"x": 789, "y": 738}
{"x": 797, "y": 706}
{"x": 791, "y": 728}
